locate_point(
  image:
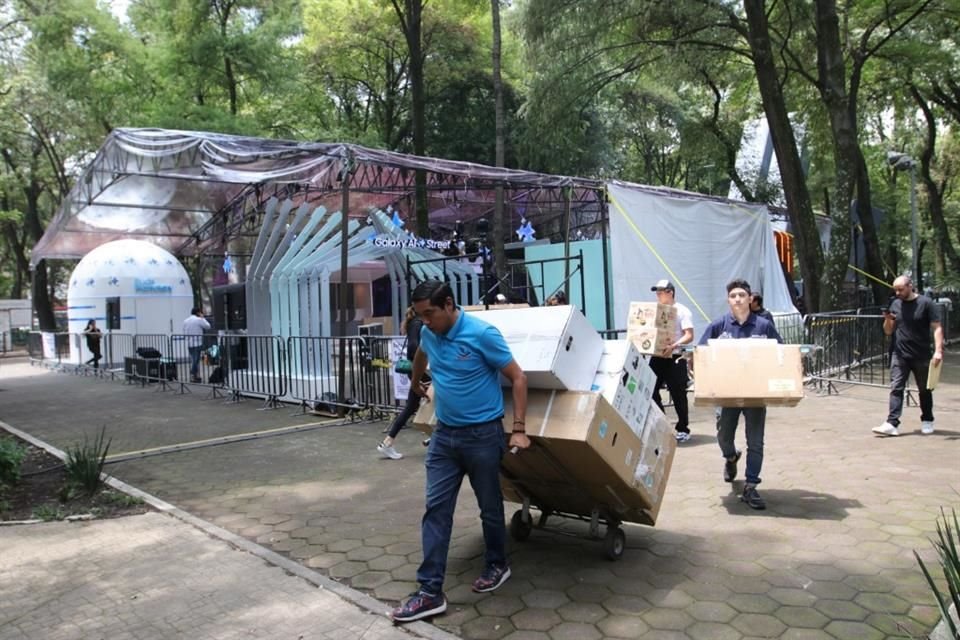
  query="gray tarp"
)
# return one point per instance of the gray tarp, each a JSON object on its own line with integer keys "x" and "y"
{"x": 698, "y": 243}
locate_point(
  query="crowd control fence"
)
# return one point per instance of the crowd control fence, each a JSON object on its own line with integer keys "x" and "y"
{"x": 354, "y": 375}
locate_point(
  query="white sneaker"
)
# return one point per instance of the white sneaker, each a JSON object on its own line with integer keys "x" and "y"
{"x": 389, "y": 452}
{"x": 926, "y": 427}
{"x": 886, "y": 429}
{"x": 682, "y": 436}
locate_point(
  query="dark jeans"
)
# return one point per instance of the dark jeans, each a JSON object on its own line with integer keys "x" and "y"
{"x": 195, "y": 360}
{"x": 755, "y": 419}
{"x": 95, "y": 360}
{"x": 673, "y": 371}
{"x": 473, "y": 451}
{"x": 410, "y": 408}
{"x": 900, "y": 370}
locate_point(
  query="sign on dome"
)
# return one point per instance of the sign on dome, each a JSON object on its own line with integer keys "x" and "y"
{"x": 149, "y": 286}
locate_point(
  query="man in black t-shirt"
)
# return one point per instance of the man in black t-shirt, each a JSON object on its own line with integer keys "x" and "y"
{"x": 910, "y": 319}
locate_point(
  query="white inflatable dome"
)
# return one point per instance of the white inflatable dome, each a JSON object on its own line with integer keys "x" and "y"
{"x": 145, "y": 286}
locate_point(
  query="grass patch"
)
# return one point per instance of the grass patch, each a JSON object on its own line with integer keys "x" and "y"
{"x": 49, "y": 513}
{"x": 11, "y": 456}
{"x": 84, "y": 464}
{"x": 119, "y": 499}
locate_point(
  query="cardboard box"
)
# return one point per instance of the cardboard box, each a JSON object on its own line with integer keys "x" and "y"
{"x": 584, "y": 456}
{"x": 495, "y": 307}
{"x": 626, "y": 381}
{"x": 556, "y": 347}
{"x": 747, "y": 373}
{"x": 658, "y": 446}
{"x": 651, "y": 326}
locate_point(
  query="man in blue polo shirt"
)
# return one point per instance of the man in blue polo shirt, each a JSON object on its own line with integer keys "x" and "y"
{"x": 466, "y": 357}
{"x": 741, "y": 323}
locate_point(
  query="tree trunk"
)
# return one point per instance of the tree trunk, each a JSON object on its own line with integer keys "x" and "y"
{"x": 414, "y": 35}
{"x": 499, "y": 225}
{"x": 849, "y": 165}
{"x": 799, "y": 207}
{"x": 945, "y": 252}
{"x": 42, "y": 304}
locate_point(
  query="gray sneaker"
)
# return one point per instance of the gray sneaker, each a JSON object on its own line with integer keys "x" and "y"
{"x": 388, "y": 451}
{"x": 752, "y": 498}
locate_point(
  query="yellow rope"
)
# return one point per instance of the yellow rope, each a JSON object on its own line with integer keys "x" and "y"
{"x": 874, "y": 278}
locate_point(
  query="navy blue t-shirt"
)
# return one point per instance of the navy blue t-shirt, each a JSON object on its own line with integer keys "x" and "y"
{"x": 726, "y": 326}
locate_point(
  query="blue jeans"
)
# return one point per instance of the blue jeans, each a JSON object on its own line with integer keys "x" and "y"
{"x": 195, "y": 360}
{"x": 474, "y": 451}
{"x": 755, "y": 418}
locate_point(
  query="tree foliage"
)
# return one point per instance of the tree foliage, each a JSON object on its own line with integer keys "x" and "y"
{"x": 653, "y": 91}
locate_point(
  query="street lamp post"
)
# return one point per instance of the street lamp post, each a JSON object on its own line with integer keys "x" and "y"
{"x": 903, "y": 162}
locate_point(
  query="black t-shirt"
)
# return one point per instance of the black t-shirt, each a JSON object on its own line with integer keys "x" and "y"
{"x": 912, "y": 335}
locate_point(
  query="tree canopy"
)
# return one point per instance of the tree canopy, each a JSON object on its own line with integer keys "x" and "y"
{"x": 660, "y": 92}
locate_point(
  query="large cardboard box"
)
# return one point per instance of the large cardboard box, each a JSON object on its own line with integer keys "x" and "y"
{"x": 556, "y": 347}
{"x": 626, "y": 381}
{"x": 584, "y": 456}
{"x": 651, "y": 326}
{"x": 747, "y": 373}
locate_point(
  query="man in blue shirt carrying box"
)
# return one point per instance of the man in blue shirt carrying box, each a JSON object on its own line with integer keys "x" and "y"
{"x": 466, "y": 357}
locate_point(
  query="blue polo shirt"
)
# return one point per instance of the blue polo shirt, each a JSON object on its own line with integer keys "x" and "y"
{"x": 465, "y": 365}
{"x": 727, "y": 326}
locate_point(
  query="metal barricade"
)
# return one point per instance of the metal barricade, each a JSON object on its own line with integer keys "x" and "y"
{"x": 254, "y": 365}
{"x": 196, "y": 360}
{"x": 35, "y": 347}
{"x": 116, "y": 348}
{"x": 383, "y": 387}
{"x": 159, "y": 342}
{"x": 854, "y": 349}
{"x": 791, "y": 328}
{"x": 313, "y": 378}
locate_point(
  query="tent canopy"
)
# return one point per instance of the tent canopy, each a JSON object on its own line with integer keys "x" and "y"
{"x": 190, "y": 192}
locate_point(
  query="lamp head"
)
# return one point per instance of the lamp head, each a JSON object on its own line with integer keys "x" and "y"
{"x": 900, "y": 161}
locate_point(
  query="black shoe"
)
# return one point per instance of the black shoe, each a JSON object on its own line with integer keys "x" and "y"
{"x": 419, "y": 605}
{"x": 752, "y": 498}
{"x": 491, "y": 579}
{"x": 730, "y": 467}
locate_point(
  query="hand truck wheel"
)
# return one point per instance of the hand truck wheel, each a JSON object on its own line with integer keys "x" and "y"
{"x": 614, "y": 543}
{"x": 519, "y": 528}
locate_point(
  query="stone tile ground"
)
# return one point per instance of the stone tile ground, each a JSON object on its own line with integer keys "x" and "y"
{"x": 830, "y": 558}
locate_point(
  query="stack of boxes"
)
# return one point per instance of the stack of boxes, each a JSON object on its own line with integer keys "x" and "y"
{"x": 599, "y": 441}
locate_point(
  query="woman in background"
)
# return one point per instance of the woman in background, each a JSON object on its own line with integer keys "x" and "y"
{"x": 93, "y": 334}
{"x": 411, "y": 329}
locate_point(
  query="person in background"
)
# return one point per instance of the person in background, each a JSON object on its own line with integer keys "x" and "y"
{"x": 193, "y": 328}
{"x": 411, "y": 329}
{"x": 910, "y": 319}
{"x": 756, "y": 306}
{"x": 670, "y": 367}
{"x": 94, "y": 335}
{"x": 557, "y": 299}
{"x": 740, "y": 323}
{"x": 466, "y": 357}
